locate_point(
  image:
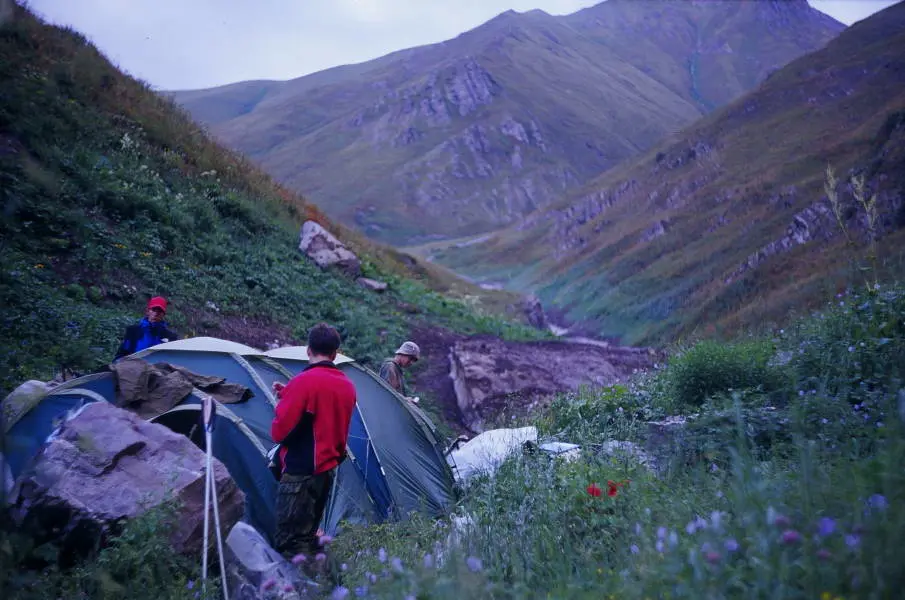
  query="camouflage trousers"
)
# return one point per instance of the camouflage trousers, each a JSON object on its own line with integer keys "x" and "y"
{"x": 300, "y": 506}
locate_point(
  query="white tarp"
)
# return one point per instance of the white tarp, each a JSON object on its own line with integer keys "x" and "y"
{"x": 487, "y": 451}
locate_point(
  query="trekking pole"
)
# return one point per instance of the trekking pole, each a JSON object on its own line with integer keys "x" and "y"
{"x": 210, "y": 497}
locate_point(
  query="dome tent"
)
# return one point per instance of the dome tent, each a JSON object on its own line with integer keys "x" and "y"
{"x": 392, "y": 443}
{"x": 399, "y": 470}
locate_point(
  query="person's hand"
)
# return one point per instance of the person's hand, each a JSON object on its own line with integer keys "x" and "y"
{"x": 277, "y": 388}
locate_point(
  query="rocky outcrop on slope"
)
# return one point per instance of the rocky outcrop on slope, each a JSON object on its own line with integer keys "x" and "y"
{"x": 326, "y": 251}
{"x": 493, "y": 378}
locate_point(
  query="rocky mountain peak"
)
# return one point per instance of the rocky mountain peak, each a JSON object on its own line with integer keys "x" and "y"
{"x": 468, "y": 135}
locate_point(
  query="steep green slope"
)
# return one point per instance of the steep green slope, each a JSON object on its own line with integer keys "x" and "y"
{"x": 111, "y": 195}
{"x": 727, "y": 224}
{"x": 471, "y": 134}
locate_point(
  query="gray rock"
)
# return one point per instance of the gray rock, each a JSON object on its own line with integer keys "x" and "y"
{"x": 534, "y": 312}
{"x": 105, "y": 465}
{"x": 372, "y": 284}
{"x": 326, "y": 251}
{"x": 492, "y": 377}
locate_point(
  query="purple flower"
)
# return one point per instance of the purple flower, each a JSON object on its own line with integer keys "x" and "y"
{"x": 382, "y": 555}
{"x": 190, "y": 584}
{"x": 299, "y": 559}
{"x": 320, "y": 557}
{"x": 824, "y": 554}
{"x": 661, "y": 533}
{"x": 852, "y": 540}
{"x": 474, "y": 564}
{"x": 268, "y": 584}
{"x": 325, "y": 539}
{"x": 428, "y": 561}
{"x": 790, "y": 536}
{"x": 716, "y": 518}
{"x": 396, "y": 563}
{"x": 878, "y": 501}
{"x": 288, "y": 588}
{"x": 371, "y": 577}
{"x": 712, "y": 557}
{"x": 339, "y": 593}
{"x": 361, "y": 591}
{"x": 634, "y": 549}
{"x": 782, "y": 521}
{"x": 826, "y": 526}
{"x": 659, "y": 546}
{"x": 730, "y": 545}
{"x": 344, "y": 567}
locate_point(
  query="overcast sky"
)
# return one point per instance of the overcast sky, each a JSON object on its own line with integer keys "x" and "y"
{"x": 188, "y": 44}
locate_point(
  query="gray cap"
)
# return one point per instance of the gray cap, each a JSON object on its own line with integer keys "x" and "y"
{"x": 410, "y": 349}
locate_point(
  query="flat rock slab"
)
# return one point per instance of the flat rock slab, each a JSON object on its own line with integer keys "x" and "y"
{"x": 493, "y": 377}
{"x": 105, "y": 465}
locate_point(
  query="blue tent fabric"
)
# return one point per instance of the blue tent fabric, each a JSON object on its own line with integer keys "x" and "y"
{"x": 25, "y": 438}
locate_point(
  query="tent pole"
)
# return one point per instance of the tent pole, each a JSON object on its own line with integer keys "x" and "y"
{"x": 207, "y": 498}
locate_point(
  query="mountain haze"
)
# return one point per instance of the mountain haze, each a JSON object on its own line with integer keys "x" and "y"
{"x": 473, "y": 133}
{"x": 727, "y": 224}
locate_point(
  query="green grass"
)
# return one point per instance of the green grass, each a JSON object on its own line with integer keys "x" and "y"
{"x": 788, "y": 489}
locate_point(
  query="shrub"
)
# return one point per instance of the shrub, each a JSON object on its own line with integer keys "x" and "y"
{"x": 710, "y": 368}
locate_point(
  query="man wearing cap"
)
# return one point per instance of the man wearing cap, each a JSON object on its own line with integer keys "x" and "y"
{"x": 391, "y": 369}
{"x": 150, "y": 331}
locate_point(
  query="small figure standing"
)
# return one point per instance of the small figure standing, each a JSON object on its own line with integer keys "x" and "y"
{"x": 392, "y": 368}
{"x": 311, "y": 424}
{"x": 150, "y": 331}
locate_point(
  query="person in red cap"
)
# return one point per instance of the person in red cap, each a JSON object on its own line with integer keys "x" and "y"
{"x": 150, "y": 331}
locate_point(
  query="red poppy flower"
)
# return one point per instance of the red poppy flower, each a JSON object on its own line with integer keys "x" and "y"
{"x": 612, "y": 489}
{"x": 594, "y": 490}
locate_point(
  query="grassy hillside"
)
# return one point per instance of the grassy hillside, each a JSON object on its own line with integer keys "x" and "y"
{"x": 471, "y": 134}
{"x": 727, "y": 224}
{"x": 111, "y": 195}
{"x": 778, "y": 479}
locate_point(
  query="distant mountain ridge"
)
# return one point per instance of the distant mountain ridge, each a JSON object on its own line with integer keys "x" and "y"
{"x": 727, "y": 224}
{"x": 471, "y": 134}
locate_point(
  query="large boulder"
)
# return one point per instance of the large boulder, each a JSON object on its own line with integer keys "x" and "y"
{"x": 105, "y": 465}
{"x": 326, "y": 251}
{"x": 492, "y": 377}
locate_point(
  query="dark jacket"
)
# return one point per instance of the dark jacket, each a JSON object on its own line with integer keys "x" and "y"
{"x": 393, "y": 375}
{"x": 144, "y": 335}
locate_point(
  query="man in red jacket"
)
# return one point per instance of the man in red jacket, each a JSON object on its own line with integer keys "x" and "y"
{"x": 312, "y": 425}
